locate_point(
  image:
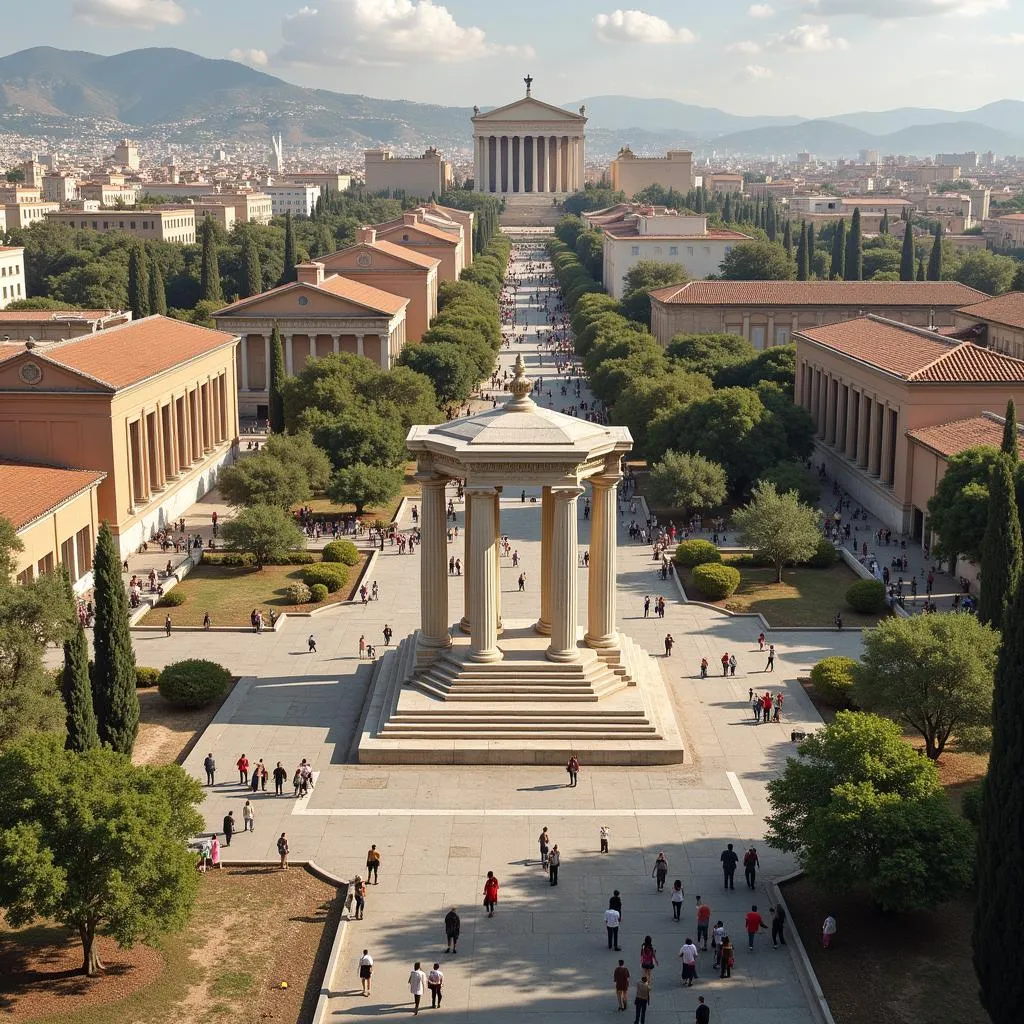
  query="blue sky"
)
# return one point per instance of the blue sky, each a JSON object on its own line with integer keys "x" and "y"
{"x": 809, "y": 57}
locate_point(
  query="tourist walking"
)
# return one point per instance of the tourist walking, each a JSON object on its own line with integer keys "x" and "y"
{"x": 283, "y": 850}
{"x": 229, "y": 827}
{"x": 703, "y": 1011}
{"x": 688, "y": 954}
{"x": 435, "y": 980}
{"x": 778, "y": 926}
{"x": 732, "y": 664}
{"x": 280, "y": 775}
{"x": 828, "y": 930}
{"x": 642, "y": 1000}
{"x": 604, "y": 832}
{"x": 359, "y": 893}
{"x": 750, "y": 866}
{"x": 452, "y": 927}
{"x": 725, "y": 664}
{"x": 729, "y": 859}
{"x": 621, "y": 978}
{"x": 554, "y": 860}
{"x": 615, "y": 902}
{"x": 490, "y": 894}
{"x": 647, "y": 605}
{"x": 703, "y": 920}
{"x": 648, "y": 957}
{"x": 211, "y": 768}
{"x": 573, "y": 768}
{"x": 248, "y": 817}
{"x": 703, "y": 668}
{"x": 727, "y": 957}
{"x": 417, "y": 983}
{"x": 365, "y": 971}
{"x": 544, "y": 842}
{"x": 677, "y": 899}
{"x": 717, "y": 935}
{"x": 660, "y": 871}
{"x": 611, "y": 924}
{"x": 242, "y": 764}
{"x": 770, "y": 667}
{"x": 372, "y": 862}
{"x": 753, "y": 921}
{"x": 311, "y": 643}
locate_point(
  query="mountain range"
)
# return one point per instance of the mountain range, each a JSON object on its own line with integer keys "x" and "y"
{"x": 164, "y": 91}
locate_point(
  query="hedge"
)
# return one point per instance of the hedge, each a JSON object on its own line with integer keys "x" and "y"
{"x": 193, "y": 683}
{"x": 171, "y": 599}
{"x": 297, "y": 593}
{"x": 714, "y": 581}
{"x": 691, "y": 553}
{"x": 145, "y": 677}
{"x": 866, "y": 596}
{"x": 331, "y": 574}
{"x": 832, "y": 679}
{"x": 317, "y": 593}
{"x": 824, "y": 556}
{"x": 244, "y": 559}
{"x": 343, "y": 551}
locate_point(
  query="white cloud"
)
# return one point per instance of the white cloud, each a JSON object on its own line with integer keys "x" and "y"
{"x": 146, "y": 14}
{"x": 1010, "y": 39}
{"x": 638, "y": 27}
{"x": 761, "y": 11}
{"x": 258, "y": 58}
{"x": 808, "y": 39}
{"x": 757, "y": 72}
{"x": 744, "y": 46}
{"x": 891, "y": 9}
{"x": 384, "y": 32}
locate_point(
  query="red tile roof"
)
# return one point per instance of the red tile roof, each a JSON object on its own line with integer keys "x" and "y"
{"x": 949, "y": 439}
{"x": 46, "y": 315}
{"x": 915, "y": 354}
{"x": 1005, "y": 309}
{"x": 393, "y": 227}
{"x": 28, "y": 490}
{"x": 400, "y": 252}
{"x": 817, "y": 293}
{"x": 364, "y": 294}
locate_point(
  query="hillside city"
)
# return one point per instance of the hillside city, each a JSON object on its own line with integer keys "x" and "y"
{"x": 568, "y": 504}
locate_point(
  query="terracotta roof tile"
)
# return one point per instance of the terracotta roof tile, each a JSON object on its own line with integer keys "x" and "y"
{"x": 400, "y": 252}
{"x": 397, "y": 226}
{"x": 129, "y": 353}
{"x": 1005, "y": 309}
{"x": 948, "y": 439}
{"x": 29, "y": 490}
{"x": 46, "y": 315}
{"x": 817, "y": 293}
{"x": 915, "y": 354}
{"x": 364, "y": 294}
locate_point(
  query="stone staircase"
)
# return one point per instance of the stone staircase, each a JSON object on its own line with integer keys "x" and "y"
{"x": 529, "y": 210}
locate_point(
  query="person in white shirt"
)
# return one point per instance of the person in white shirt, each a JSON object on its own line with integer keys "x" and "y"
{"x": 417, "y": 982}
{"x": 365, "y": 971}
{"x": 435, "y": 979}
{"x": 688, "y": 954}
{"x": 611, "y": 923}
{"x": 717, "y": 934}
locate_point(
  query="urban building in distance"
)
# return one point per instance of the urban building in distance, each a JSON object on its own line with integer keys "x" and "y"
{"x": 156, "y": 223}
{"x": 333, "y": 181}
{"x": 12, "y": 275}
{"x": 46, "y": 325}
{"x": 631, "y": 173}
{"x": 298, "y": 200}
{"x": 419, "y": 176}
{"x": 996, "y": 323}
{"x": 126, "y": 154}
{"x": 723, "y": 181}
{"x": 413, "y": 231}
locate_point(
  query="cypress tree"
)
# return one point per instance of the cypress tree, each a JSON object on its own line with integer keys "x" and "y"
{"x": 114, "y": 696}
{"x": 157, "y": 291}
{"x": 288, "y": 274}
{"x": 1001, "y": 546}
{"x": 138, "y": 282}
{"x": 209, "y": 273}
{"x": 771, "y": 223}
{"x": 1018, "y": 279}
{"x": 276, "y": 399}
{"x": 854, "y": 269}
{"x": 839, "y": 250}
{"x": 77, "y": 692}
{"x": 253, "y": 281}
{"x": 1009, "y": 445}
{"x": 727, "y": 211}
{"x": 920, "y": 270}
{"x": 787, "y": 238}
{"x": 803, "y": 262}
{"x": 935, "y": 257}
{"x": 324, "y": 241}
{"x": 907, "y": 255}
{"x": 883, "y": 228}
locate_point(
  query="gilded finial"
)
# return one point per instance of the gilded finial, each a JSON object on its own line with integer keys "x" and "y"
{"x": 521, "y": 387}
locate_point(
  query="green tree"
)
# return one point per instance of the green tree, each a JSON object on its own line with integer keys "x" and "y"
{"x": 361, "y": 485}
{"x": 709, "y": 353}
{"x": 453, "y": 374}
{"x": 787, "y": 237}
{"x": 933, "y": 673}
{"x": 920, "y": 270}
{"x": 76, "y": 686}
{"x": 252, "y": 280}
{"x": 267, "y": 532}
{"x": 757, "y": 261}
{"x": 907, "y": 255}
{"x": 883, "y": 227}
{"x": 1009, "y": 445}
{"x": 986, "y": 271}
{"x": 96, "y": 843}
{"x": 275, "y": 406}
{"x": 157, "y": 291}
{"x": 861, "y": 809}
{"x": 138, "y": 282}
{"x": 688, "y": 482}
{"x": 298, "y": 449}
{"x": 793, "y": 476}
{"x": 838, "y": 262}
{"x": 853, "y": 269}
{"x": 1017, "y": 284}
{"x": 958, "y": 511}
{"x": 803, "y": 262}
{"x": 289, "y": 273}
{"x": 778, "y": 526}
{"x": 1001, "y": 548}
{"x": 261, "y": 479}
{"x": 209, "y": 273}
{"x": 935, "y": 257}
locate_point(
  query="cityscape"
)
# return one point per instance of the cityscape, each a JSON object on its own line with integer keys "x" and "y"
{"x": 487, "y": 475}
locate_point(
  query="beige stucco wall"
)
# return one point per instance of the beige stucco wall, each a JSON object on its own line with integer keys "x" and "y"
{"x": 44, "y": 538}
{"x": 632, "y": 174}
{"x": 450, "y": 253}
{"x": 421, "y": 176}
{"x": 1001, "y": 337}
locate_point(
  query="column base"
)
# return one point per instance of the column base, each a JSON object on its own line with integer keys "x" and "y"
{"x": 572, "y": 654}
{"x": 542, "y": 627}
{"x": 485, "y": 656}
{"x": 464, "y": 626}
{"x": 601, "y": 642}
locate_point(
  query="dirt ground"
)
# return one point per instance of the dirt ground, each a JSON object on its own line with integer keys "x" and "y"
{"x": 167, "y": 734}
{"x": 252, "y": 929}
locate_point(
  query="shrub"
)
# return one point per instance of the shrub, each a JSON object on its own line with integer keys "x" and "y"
{"x": 832, "y": 679}
{"x": 297, "y": 593}
{"x": 343, "y": 551}
{"x": 145, "y": 677}
{"x": 317, "y": 593}
{"x": 866, "y": 596}
{"x": 970, "y": 805}
{"x": 171, "y": 599}
{"x": 232, "y": 559}
{"x": 824, "y": 556}
{"x": 294, "y": 558}
{"x": 332, "y": 575}
{"x": 692, "y": 553}
{"x": 194, "y": 683}
{"x": 715, "y": 581}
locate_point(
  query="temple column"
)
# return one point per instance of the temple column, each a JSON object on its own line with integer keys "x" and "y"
{"x": 336, "y": 342}
{"x": 288, "y": 364}
{"x": 547, "y": 522}
{"x": 601, "y": 578}
{"x": 433, "y": 563}
{"x": 830, "y": 412}
{"x": 558, "y": 180}
{"x": 564, "y": 589}
{"x": 536, "y": 163}
{"x": 312, "y": 346}
{"x": 266, "y": 362}
{"x": 873, "y": 446}
{"x": 483, "y": 631}
{"x": 521, "y": 164}
{"x": 467, "y": 594}
{"x": 497, "y": 558}
{"x": 359, "y": 344}
{"x": 815, "y": 386}
{"x": 243, "y": 350}
{"x": 886, "y": 460}
{"x": 862, "y": 431}
{"x": 508, "y": 164}
{"x": 852, "y": 398}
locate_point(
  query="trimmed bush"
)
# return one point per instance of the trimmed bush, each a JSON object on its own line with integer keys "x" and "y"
{"x": 295, "y": 558}
{"x": 297, "y": 593}
{"x": 317, "y": 593}
{"x": 146, "y": 677}
{"x": 691, "y": 553}
{"x": 343, "y": 551}
{"x": 171, "y": 599}
{"x": 825, "y": 555}
{"x": 331, "y": 574}
{"x": 233, "y": 559}
{"x": 832, "y": 679}
{"x": 715, "y": 581}
{"x": 866, "y": 596}
{"x": 194, "y": 683}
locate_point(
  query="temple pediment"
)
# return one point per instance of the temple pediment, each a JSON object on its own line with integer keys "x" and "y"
{"x": 527, "y": 109}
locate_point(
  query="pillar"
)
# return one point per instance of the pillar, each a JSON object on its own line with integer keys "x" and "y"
{"x": 601, "y": 574}
{"x": 852, "y": 398}
{"x": 873, "y": 432}
{"x": 830, "y": 412}
{"x": 336, "y": 342}
{"x": 467, "y": 596}
{"x": 521, "y": 164}
{"x": 483, "y": 586}
{"x": 359, "y": 344}
{"x": 547, "y": 522}
{"x": 508, "y": 164}
{"x": 243, "y": 350}
{"x": 497, "y": 559}
{"x": 433, "y": 563}
{"x": 536, "y": 164}
{"x": 476, "y": 163}
{"x": 559, "y": 180}
{"x": 862, "y": 431}
{"x": 815, "y": 387}
{"x": 887, "y": 430}
{"x": 287, "y": 358}
{"x": 564, "y": 589}
{"x": 266, "y": 363}
{"x": 312, "y": 346}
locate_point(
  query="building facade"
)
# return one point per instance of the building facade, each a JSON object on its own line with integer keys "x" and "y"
{"x": 44, "y": 325}
{"x": 769, "y": 313}
{"x": 108, "y": 195}
{"x": 126, "y": 154}
{"x": 12, "y": 275}
{"x": 334, "y": 181}
{"x": 999, "y": 323}
{"x": 298, "y": 200}
{"x": 418, "y": 176}
{"x": 442, "y": 243}
{"x": 156, "y": 223}
{"x": 631, "y": 173}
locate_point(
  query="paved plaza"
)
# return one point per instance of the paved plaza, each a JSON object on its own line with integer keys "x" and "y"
{"x": 544, "y": 954}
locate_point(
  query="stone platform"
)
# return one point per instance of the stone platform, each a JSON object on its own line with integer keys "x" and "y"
{"x": 608, "y": 708}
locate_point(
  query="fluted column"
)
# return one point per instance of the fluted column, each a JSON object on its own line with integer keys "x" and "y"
{"x": 521, "y": 164}
{"x": 289, "y": 366}
{"x": 547, "y": 521}
{"x": 559, "y": 184}
{"x": 601, "y": 574}
{"x": 433, "y": 563}
{"x": 243, "y": 351}
{"x": 830, "y": 412}
{"x": 467, "y": 595}
{"x": 508, "y": 164}
{"x": 497, "y": 558}
{"x": 483, "y": 629}
{"x": 815, "y": 394}
{"x": 852, "y": 398}
{"x": 536, "y": 163}
{"x": 564, "y": 589}
{"x": 874, "y": 448}
{"x": 862, "y": 431}
{"x": 887, "y": 432}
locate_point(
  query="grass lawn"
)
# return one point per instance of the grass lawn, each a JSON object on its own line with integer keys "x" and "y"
{"x": 252, "y": 928}
{"x": 410, "y": 488}
{"x": 805, "y": 597}
{"x": 230, "y": 593}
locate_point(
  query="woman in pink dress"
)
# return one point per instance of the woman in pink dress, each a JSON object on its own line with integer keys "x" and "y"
{"x": 215, "y": 852}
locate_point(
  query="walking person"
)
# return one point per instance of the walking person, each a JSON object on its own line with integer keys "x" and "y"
{"x": 359, "y": 892}
{"x": 828, "y": 930}
{"x": 311, "y": 643}
{"x": 750, "y": 866}
{"x": 725, "y": 664}
{"x": 677, "y": 899}
{"x": 452, "y": 927}
{"x": 280, "y": 775}
{"x": 611, "y": 924}
{"x": 435, "y": 980}
{"x": 729, "y": 860}
{"x": 717, "y": 935}
{"x": 778, "y": 926}
{"x": 573, "y": 768}
{"x": 647, "y": 605}
{"x": 242, "y": 764}
{"x": 417, "y": 983}
{"x": 283, "y": 850}
{"x": 554, "y": 860}
{"x": 491, "y": 893}
{"x": 229, "y": 827}
{"x": 167, "y": 625}
{"x": 621, "y": 978}
{"x": 211, "y": 768}
{"x": 365, "y": 971}
{"x": 727, "y": 957}
{"x": 648, "y": 957}
{"x": 753, "y": 921}
{"x": 544, "y": 842}
{"x": 703, "y": 668}
{"x": 248, "y": 817}
{"x": 605, "y": 831}
{"x": 669, "y": 641}
{"x": 660, "y": 872}
{"x": 732, "y": 664}
{"x": 770, "y": 667}
{"x": 703, "y": 1011}
{"x": 703, "y": 920}
{"x": 615, "y": 902}
{"x": 642, "y": 1000}
{"x": 688, "y": 954}
{"x": 757, "y": 710}
{"x": 372, "y": 862}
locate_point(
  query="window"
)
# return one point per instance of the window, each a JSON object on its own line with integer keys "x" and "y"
{"x": 781, "y": 335}
{"x": 657, "y": 250}
{"x": 673, "y": 250}
{"x": 132, "y": 224}
{"x": 689, "y": 250}
{"x": 634, "y": 250}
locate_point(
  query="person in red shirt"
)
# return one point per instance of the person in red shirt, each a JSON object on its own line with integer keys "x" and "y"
{"x": 766, "y": 705}
{"x": 754, "y": 921}
{"x": 490, "y": 893}
{"x": 703, "y": 920}
{"x": 242, "y": 764}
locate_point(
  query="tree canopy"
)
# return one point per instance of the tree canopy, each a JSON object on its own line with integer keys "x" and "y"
{"x": 758, "y": 261}
{"x": 688, "y": 482}
{"x": 267, "y": 532}
{"x": 778, "y": 526}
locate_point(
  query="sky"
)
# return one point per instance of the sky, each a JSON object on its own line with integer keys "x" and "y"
{"x": 805, "y": 57}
